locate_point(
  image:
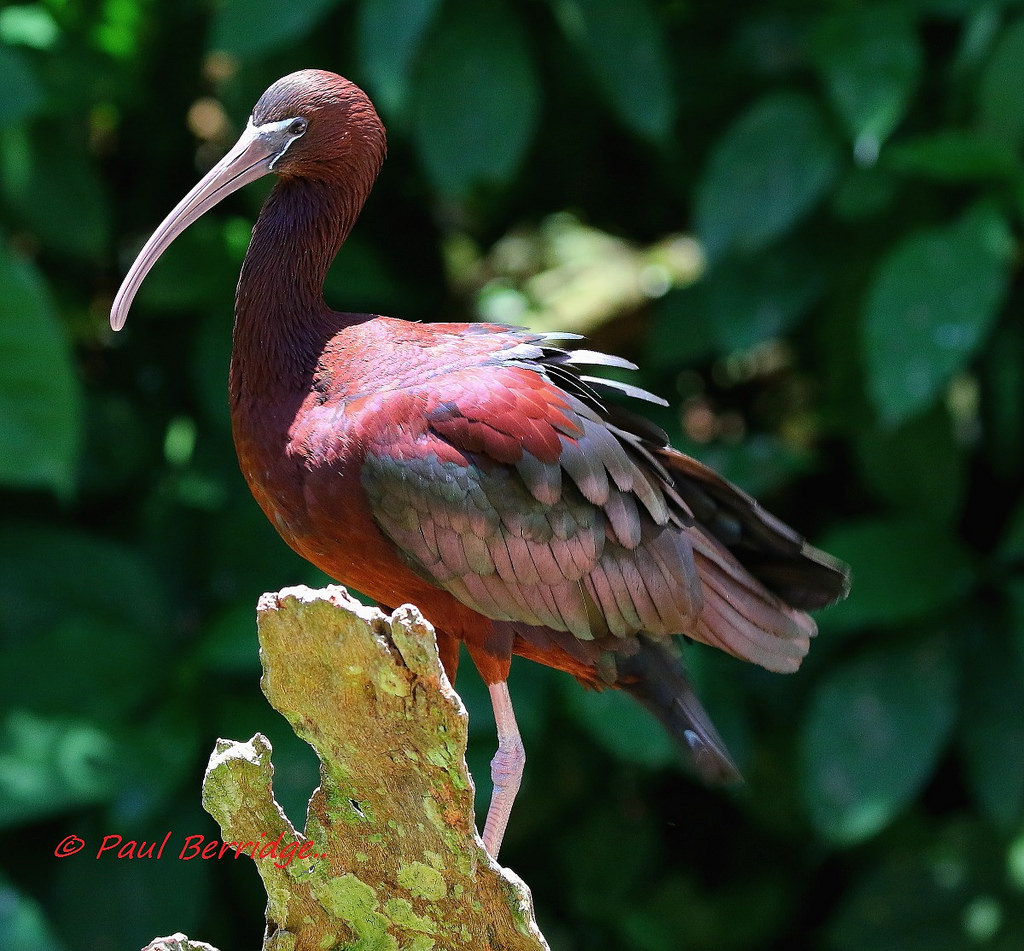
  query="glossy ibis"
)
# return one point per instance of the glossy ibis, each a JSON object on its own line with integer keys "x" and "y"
{"x": 475, "y": 470}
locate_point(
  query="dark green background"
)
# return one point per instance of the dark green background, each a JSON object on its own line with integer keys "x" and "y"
{"x": 802, "y": 218}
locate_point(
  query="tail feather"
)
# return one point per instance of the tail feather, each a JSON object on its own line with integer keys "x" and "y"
{"x": 782, "y": 560}
{"x": 745, "y": 619}
{"x": 655, "y": 676}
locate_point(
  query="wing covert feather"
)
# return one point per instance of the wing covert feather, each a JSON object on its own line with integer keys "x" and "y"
{"x": 507, "y": 482}
{"x": 515, "y": 497}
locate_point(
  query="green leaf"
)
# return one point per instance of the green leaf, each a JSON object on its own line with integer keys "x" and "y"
{"x": 1015, "y": 599}
{"x": 129, "y": 669}
{"x": 196, "y": 272}
{"x": 228, "y": 645}
{"x": 683, "y": 910}
{"x": 63, "y": 202}
{"x": 769, "y": 169}
{"x": 622, "y": 726}
{"x": 476, "y": 97}
{"x": 917, "y": 468}
{"x": 1001, "y": 89}
{"x": 759, "y": 464}
{"x": 953, "y": 155}
{"x": 942, "y": 891}
{"x": 49, "y": 766}
{"x": 22, "y": 96}
{"x": 901, "y": 569}
{"x": 981, "y": 26}
{"x": 120, "y": 445}
{"x": 1012, "y": 547}
{"x": 40, "y": 399}
{"x": 23, "y": 926}
{"x": 29, "y": 25}
{"x": 588, "y": 885}
{"x": 873, "y": 735}
{"x": 870, "y": 60}
{"x": 625, "y": 45}
{"x": 930, "y": 306}
{"x": 954, "y": 8}
{"x": 737, "y": 304}
{"x": 1002, "y": 400}
{"x": 128, "y": 901}
{"x": 252, "y": 28}
{"x": 390, "y": 34}
{"x": 72, "y": 574}
{"x": 992, "y": 731}
{"x": 864, "y": 192}
{"x": 361, "y": 277}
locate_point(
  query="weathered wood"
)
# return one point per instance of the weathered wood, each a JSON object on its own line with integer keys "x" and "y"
{"x": 390, "y": 859}
{"x": 177, "y": 942}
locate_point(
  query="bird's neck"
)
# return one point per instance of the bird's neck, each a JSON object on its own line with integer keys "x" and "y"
{"x": 281, "y": 320}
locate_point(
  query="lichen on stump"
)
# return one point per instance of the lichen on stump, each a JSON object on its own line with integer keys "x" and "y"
{"x": 390, "y": 859}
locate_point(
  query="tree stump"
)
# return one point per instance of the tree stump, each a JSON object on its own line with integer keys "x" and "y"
{"x": 390, "y": 859}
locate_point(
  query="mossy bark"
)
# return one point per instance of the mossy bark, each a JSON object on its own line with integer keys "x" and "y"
{"x": 390, "y": 859}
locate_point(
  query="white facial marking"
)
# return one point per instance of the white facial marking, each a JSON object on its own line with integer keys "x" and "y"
{"x": 280, "y": 131}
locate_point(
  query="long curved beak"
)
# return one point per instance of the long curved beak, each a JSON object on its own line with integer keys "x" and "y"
{"x": 251, "y": 157}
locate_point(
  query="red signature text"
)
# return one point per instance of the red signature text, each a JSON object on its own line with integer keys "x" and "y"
{"x": 193, "y": 847}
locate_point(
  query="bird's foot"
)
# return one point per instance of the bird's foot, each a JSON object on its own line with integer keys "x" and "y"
{"x": 506, "y": 776}
{"x": 506, "y": 769}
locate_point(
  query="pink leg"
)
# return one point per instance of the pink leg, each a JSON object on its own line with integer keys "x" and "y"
{"x": 506, "y": 767}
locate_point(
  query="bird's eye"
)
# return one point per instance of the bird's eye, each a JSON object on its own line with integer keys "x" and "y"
{"x": 298, "y": 126}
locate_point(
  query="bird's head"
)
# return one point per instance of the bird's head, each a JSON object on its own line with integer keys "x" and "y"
{"x": 309, "y": 124}
{"x": 318, "y": 124}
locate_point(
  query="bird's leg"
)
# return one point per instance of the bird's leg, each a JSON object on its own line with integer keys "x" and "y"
{"x": 506, "y": 767}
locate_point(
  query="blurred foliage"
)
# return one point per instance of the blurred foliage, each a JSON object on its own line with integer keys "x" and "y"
{"x": 803, "y": 219}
